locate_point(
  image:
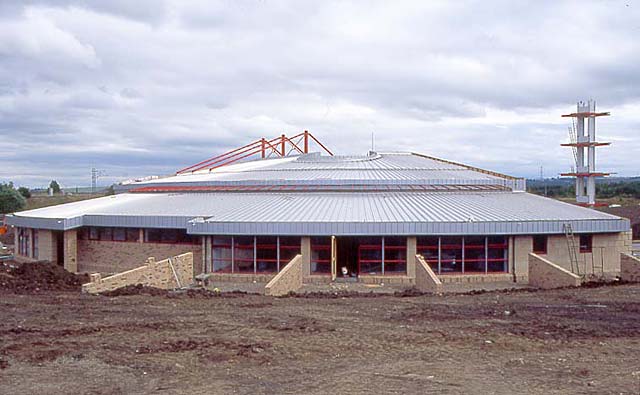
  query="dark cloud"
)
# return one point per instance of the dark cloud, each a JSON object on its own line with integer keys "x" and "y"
{"x": 147, "y": 87}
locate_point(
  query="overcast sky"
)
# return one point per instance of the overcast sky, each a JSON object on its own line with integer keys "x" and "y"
{"x": 143, "y": 87}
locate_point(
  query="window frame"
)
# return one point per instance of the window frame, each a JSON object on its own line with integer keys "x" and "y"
{"x": 588, "y": 245}
{"x": 543, "y": 251}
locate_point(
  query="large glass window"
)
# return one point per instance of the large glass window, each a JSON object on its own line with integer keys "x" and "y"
{"x": 221, "y": 254}
{"x": 451, "y": 255}
{"x": 497, "y": 257}
{"x": 470, "y": 254}
{"x": 428, "y": 248}
{"x": 474, "y": 254}
{"x": 370, "y": 255}
{"x": 395, "y": 255}
{"x": 289, "y": 248}
{"x": 243, "y": 248}
{"x": 266, "y": 254}
{"x": 320, "y": 255}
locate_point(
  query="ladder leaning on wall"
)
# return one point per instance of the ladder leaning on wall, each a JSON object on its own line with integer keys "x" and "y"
{"x": 573, "y": 251}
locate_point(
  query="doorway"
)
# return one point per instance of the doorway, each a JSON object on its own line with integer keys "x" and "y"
{"x": 58, "y": 237}
{"x": 347, "y": 257}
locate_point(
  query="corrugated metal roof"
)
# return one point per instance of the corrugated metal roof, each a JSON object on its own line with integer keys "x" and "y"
{"x": 329, "y": 213}
{"x": 313, "y": 169}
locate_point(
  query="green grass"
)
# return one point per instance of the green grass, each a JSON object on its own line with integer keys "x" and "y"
{"x": 40, "y": 201}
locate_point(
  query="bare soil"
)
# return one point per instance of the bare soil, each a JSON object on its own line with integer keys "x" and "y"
{"x": 569, "y": 341}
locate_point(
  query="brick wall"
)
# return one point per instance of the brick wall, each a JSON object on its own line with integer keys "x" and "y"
{"x": 546, "y": 274}
{"x": 47, "y": 250}
{"x": 629, "y": 267}
{"x": 166, "y": 274}
{"x": 558, "y": 252}
{"x": 113, "y": 256}
{"x": 521, "y": 247}
{"x": 426, "y": 279}
{"x": 613, "y": 244}
{"x": 288, "y": 280}
{"x": 70, "y": 241}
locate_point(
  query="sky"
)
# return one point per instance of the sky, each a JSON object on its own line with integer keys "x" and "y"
{"x": 146, "y": 87}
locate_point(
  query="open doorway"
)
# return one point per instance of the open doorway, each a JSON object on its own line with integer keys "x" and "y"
{"x": 58, "y": 237}
{"x": 347, "y": 257}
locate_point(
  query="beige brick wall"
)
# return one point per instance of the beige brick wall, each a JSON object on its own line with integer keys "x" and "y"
{"x": 426, "y": 279}
{"x": 305, "y": 250}
{"x": 629, "y": 267}
{"x": 70, "y": 241}
{"x": 558, "y": 252}
{"x": 613, "y": 244}
{"x": 411, "y": 257}
{"x": 47, "y": 250}
{"x": 288, "y": 280}
{"x": 546, "y": 274}
{"x": 519, "y": 249}
{"x": 166, "y": 274}
{"x": 114, "y": 257}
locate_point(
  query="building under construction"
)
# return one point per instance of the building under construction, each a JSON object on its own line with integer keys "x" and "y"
{"x": 372, "y": 218}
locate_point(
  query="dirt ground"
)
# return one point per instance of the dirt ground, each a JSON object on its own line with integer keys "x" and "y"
{"x": 570, "y": 341}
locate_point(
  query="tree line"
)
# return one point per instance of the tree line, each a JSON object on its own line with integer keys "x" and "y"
{"x": 15, "y": 199}
{"x": 603, "y": 190}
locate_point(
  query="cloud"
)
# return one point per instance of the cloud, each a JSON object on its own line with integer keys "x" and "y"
{"x": 148, "y": 87}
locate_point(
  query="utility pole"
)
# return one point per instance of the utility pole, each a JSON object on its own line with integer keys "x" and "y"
{"x": 544, "y": 182}
{"x": 95, "y": 174}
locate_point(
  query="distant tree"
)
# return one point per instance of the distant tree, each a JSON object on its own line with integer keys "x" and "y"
{"x": 25, "y": 192}
{"x": 55, "y": 187}
{"x": 111, "y": 190}
{"x": 10, "y": 199}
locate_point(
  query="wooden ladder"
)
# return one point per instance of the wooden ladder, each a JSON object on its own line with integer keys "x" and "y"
{"x": 571, "y": 245}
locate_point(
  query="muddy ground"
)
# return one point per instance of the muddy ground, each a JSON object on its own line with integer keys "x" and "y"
{"x": 571, "y": 341}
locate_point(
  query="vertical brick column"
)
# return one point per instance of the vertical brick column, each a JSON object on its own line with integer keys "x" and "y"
{"x": 71, "y": 251}
{"x": 411, "y": 256}
{"x": 305, "y": 250}
{"x": 47, "y": 250}
{"x": 208, "y": 253}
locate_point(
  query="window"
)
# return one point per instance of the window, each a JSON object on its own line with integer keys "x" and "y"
{"x": 109, "y": 234}
{"x": 395, "y": 255}
{"x": 221, "y": 254}
{"x": 474, "y": 254}
{"x": 370, "y": 255}
{"x": 497, "y": 250}
{"x": 35, "y": 244}
{"x": 24, "y": 242}
{"x": 105, "y": 234}
{"x": 289, "y": 248}
{"x": 243, "y": 254}
{"x": 266, "y": 254}
{"x": 586, "y": 243}
{"x": 320, "y": 255}
{"x": 83, "y": 234}
{"x": 539, "y": 244}
{"x": 428, "y": 247}
{"x": 471, "y": 254}
{"x": 93, "y": 233}
{"x": 132, "y": 234}
{"x": 450, "y": 254}
{"x": 169, "y": 236}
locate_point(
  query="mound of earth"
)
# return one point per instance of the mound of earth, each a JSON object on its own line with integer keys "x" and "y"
{"x": 35, "y": 276}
